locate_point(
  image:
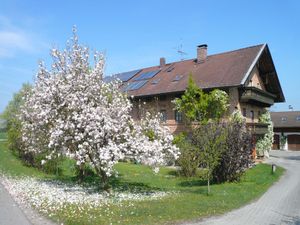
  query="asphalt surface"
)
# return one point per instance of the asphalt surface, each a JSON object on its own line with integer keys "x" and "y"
{"x": 10, "y": 213}
{"x": 280, "y": 205}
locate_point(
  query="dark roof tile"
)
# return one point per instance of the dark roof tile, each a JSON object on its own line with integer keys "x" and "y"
{"x": 286, "y": 119}
{"x": 219, "y": 70}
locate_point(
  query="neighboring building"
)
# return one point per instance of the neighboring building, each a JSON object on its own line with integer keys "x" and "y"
{"x": 248, "y": 75}
{"x": 286, "y": 130}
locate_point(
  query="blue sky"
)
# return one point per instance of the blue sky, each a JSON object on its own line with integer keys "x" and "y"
{"x": 136, "y": 34}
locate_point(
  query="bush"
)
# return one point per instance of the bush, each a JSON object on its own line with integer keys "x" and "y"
{"x": 50, "y": 166}
{"x": 264, "y": 144}
{"x": 12, "y": 120}
{"x": 84, "y": 171}
{"x": 189, "y": 159}
{"x": 237, "y": 156}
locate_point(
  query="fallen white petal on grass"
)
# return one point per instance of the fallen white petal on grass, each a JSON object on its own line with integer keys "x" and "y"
{"x": 50, "y": 196}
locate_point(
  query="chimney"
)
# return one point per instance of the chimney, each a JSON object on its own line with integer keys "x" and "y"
{"x": 201, "y": 53}
{"x": 162, "y": 62}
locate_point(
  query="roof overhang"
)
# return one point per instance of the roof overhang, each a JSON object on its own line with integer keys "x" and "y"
{"x": 264, "y": 62}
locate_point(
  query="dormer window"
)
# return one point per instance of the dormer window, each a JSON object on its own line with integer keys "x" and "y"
{"x": 298, "y": 118}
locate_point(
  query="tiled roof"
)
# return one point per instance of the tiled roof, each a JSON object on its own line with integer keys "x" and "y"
{"x": 286, "y": 119}
{"x": 228, "y": 69}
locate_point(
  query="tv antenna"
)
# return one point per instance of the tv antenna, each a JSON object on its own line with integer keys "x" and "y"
{"x": 180, "y": 51}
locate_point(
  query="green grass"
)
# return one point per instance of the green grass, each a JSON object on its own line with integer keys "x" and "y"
{"x": 190, "y": 201}
{"x": 3, "y": 135}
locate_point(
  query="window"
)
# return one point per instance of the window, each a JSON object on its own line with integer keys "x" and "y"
{"x": 244, "y": 112}
{"x": 298, "y": 118}
{"x": 283, "y": 119}
{"x": 252, "y": 115}
{"x": 178, "y": 116}
{"x": 163, "y": 116}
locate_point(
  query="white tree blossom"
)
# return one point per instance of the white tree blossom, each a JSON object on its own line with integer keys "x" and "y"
{"x": 71, "y": 111}
{"x": 153, "y": 142}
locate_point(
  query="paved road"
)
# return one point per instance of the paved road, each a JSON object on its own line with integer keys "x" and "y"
{"x": 280, "y": 205}
{"x": 10, "y": 213}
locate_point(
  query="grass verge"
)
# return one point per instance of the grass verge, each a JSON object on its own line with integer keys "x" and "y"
{"x": 3, "y": 135}
{"x": 189, "y": 201}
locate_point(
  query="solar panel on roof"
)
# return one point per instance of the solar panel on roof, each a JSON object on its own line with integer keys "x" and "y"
{"x": 147, "y": 75}
{"x": 121, "y": 76}
{"x": 135, "y": 85}
{"x": 127, "y": 75}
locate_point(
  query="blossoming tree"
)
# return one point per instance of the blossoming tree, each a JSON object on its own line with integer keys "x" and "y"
{"x": 73, "y": 112}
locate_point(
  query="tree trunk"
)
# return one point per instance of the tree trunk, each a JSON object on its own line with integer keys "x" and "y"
{"x": 104, "y": 182}
{"x": 81, "y": 173}
{"x": 208, "y": 184}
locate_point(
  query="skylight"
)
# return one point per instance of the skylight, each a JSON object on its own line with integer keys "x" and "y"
{"x": 177, "y": 78}
{"x": 155, "y": 81}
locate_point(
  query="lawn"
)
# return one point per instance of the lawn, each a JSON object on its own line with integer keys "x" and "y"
{"x": 3, "y": 135}
{"x": 188, "y": 199}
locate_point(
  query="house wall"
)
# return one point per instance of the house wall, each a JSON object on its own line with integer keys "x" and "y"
{"x": 236, "y": 104}
{"x": 255, "y": 80}
{"x": 157, "y": 104}
{"x": 164, "y": 102}
{"x": 256, "y": 110}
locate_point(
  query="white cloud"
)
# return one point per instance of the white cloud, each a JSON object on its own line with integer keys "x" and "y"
{"x": 14, "y": 40}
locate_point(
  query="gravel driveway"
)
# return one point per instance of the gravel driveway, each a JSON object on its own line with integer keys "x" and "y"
{"x": 280, "y": 205}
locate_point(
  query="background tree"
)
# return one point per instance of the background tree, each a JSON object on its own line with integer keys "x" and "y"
{"x": 200, "y": 106}
{"x": 11, "y": 116}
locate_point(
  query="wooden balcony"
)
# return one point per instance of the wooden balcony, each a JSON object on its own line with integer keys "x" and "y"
{"x": 258, "y": 128}
{"x": 257, "y": 96}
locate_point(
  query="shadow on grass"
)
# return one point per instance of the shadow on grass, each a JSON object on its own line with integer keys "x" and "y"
{"x": 193, "y": 183}
{"x": 122, "y": 185}
{"x": 117, "y": 183}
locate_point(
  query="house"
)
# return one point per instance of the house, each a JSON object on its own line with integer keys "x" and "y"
{"x": 248, "y": 75}
{"x": 286, "y": 130}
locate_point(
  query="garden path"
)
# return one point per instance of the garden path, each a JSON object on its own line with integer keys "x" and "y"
{"x": 10, "y": 213}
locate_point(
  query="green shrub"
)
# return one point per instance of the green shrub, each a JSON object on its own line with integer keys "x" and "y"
{"x": 13, "y": 122}
{"x": 51, "y": 166}
{"x": 189, "y": 159}
{"x": 237, "y": 155}
{"x": 264, "y": 144}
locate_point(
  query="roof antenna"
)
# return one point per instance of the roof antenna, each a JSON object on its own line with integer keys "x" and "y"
{"x": 180, "y": 51}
